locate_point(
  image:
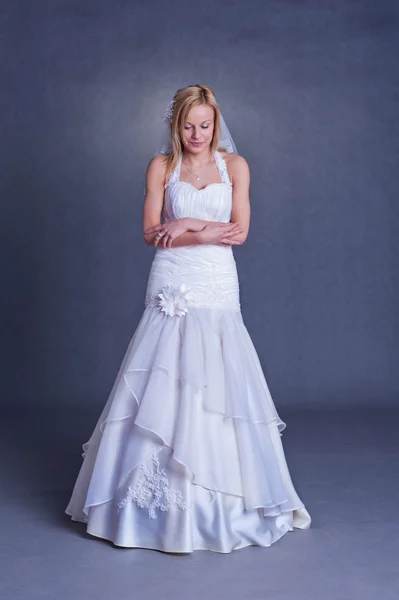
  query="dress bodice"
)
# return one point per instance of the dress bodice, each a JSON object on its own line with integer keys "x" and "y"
{"x": 211, "y": 203}
{"x": 209, "y": 270}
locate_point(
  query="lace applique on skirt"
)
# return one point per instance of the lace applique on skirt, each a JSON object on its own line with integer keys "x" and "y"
{"x": 152, "y": 491}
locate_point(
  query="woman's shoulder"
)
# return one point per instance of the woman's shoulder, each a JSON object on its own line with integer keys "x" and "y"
{"x": 157, "y": 164}
{"x": 235, "y": 163}
{"x": 158, "y": 161}
{"x": 233, "y": 159}
{"x": 156, "y": 168}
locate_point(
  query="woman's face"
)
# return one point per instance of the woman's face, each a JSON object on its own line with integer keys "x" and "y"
{"x": 198, "y": 128}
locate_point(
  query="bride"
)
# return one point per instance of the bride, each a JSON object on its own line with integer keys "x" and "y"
{"x": 187, "y": 453}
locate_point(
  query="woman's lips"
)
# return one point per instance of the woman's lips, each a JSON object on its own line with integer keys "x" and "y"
{"x": 196, "y": 143}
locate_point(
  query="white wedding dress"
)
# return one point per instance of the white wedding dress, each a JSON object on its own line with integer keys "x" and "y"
{"x": 187, "y": 452}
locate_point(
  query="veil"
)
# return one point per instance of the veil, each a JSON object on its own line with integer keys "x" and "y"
{"x": 165, "y": 145}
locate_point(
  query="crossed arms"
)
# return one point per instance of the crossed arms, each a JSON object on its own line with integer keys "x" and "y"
{"x": 189, "y": 231}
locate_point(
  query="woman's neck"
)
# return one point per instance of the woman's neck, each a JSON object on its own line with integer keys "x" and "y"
{"x": 197, "y": 160}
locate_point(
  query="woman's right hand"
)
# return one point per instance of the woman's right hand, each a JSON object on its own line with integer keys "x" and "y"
{"x": 220, "y": 233}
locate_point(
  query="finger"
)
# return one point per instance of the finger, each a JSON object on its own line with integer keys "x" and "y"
{"x": 229, "y": 225}
{"x": 234, "y": 232}
{"x": 153, "y": 229}
{"x": 165, "y": 239}
{"x": 158, "y": 238}
{"x": 229, "y": 242}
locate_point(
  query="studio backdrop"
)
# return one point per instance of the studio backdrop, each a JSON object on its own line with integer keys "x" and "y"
{"x": 308, "y": 92}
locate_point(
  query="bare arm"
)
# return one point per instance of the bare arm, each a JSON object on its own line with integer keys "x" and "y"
{"x": 241, "y": 210}
{"x": 153, "y": 198}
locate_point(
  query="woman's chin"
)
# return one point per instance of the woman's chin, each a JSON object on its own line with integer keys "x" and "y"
{"x": 194, "y": 148}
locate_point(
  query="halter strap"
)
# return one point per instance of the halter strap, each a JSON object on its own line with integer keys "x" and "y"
{"x": 222, "y": 167}
{"x": 174, "y": 175}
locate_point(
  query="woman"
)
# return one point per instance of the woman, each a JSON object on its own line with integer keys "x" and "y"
{"x": 187, "y": 452}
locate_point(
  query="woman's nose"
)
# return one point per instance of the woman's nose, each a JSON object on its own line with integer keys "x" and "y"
{"x": 195, "y": 133}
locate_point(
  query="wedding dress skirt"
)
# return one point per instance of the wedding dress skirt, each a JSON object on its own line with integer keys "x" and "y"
{"x": 187, "y": 452}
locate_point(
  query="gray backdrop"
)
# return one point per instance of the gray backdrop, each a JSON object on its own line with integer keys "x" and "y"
{"x": 308, "y": 91}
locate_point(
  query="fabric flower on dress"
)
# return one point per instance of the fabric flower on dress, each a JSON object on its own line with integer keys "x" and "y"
{"x": 173, "y": 300}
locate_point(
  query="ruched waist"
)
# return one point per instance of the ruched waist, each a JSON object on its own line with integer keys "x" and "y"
{"x": 208, "y": 274}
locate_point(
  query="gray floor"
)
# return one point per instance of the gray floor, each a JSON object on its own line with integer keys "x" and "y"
{"x": 344, "y": 465}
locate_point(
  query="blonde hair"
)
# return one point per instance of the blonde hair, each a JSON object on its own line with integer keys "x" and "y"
{"x": 183, "y": 101}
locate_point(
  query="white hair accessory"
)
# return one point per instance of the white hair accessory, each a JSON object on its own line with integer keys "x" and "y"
{"x": 167, "y": 117}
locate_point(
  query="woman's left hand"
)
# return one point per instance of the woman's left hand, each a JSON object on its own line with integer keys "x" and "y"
{"x": 167, "y": 232}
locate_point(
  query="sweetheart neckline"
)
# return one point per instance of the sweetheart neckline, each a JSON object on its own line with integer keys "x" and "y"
{"x": 207, "y": 186}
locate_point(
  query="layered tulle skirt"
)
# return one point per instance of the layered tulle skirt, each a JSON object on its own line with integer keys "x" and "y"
{"x": 187, "y": 452}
